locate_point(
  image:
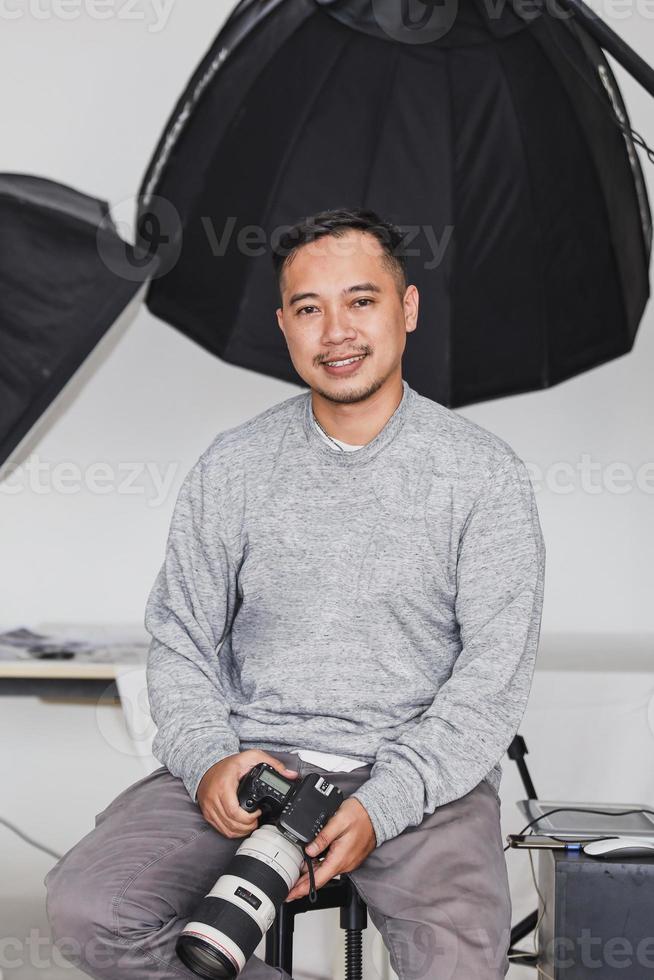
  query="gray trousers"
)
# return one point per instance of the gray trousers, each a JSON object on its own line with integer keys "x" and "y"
{"x": 438, "y": 893}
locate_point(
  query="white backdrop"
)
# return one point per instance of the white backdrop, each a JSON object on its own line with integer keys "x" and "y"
{"x": 83, "y": 101}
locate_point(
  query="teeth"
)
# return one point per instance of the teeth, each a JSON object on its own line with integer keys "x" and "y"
{"x": 350, "y": 360}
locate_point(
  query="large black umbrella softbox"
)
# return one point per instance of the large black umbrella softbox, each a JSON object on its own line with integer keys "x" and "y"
{"x": 495, "y": 144}
{"x": 66, "y": 275}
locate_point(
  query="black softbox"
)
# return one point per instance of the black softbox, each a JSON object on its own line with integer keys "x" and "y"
{"x": 501, "y": 146}
{"x": 65, "y": 277}
{"x": 499, "y": 143}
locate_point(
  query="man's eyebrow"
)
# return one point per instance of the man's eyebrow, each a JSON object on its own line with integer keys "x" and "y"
{"x": 360, "y": 287}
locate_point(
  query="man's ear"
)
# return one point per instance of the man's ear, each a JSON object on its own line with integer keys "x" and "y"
{"x": 411, "y": 304}
{"x": 280, "y": 320}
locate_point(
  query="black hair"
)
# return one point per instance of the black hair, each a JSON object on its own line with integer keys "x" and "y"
{"x": 337, "y": 222}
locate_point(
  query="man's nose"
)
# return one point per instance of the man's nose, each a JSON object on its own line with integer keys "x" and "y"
{"x": 337, "y": 325}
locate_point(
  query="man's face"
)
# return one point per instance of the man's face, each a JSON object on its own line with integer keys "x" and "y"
{"x": 340, "y": 300}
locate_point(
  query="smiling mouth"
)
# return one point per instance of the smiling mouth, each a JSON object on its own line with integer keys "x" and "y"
{"x": 345, "y": 360}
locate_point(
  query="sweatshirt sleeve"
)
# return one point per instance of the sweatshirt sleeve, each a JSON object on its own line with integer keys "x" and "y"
{"x": 475, "y": 715}
{"x": 188, "y": 614}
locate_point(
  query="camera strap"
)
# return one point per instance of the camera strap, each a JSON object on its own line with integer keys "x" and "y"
{"x": 313, "y": 894}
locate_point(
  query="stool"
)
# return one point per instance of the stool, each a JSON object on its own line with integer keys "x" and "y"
{"x": 338, "y": 893}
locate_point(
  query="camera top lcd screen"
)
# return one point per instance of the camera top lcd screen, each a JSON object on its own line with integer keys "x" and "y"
{"x": 275, "y": 781}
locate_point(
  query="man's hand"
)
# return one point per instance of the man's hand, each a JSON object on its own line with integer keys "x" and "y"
{"x": 217, "y": 792}
{"x": 350, "y": 837}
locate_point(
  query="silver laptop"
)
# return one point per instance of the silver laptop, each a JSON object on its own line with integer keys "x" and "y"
{"x": 587, "y": 826}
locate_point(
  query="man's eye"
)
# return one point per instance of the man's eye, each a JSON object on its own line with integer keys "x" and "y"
{"x": 362, "y": 299}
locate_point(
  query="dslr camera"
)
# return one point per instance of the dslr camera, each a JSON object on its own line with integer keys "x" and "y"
{"x": 228, "y": 924}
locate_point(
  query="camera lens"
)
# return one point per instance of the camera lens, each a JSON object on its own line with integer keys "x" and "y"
{"x": 230, "y": 922}
{"x": 203, "y": 959}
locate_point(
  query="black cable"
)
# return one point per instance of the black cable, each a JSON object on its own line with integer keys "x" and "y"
{"x": 30, "y": 840}
{"x": 639, "y": 141}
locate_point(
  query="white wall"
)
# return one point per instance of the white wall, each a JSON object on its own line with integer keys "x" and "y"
{"x": 83, "y": 101}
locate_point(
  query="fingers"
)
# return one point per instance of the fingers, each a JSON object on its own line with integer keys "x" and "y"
{"x": 301, "y": 886}
{"x": 291, "y": 774}
{"x": 324, "y": 871}
{"x": 239, "y": 822}
{"x": 234, "y": 812}
{"x": 227, "y": 828}
{"x": 231, "y": 821}
{"x": 331, "y": 838}
{"x": 220, "y": 805}
{"x": 335, "y": 827}
{"x": 331, "y": 866}
{"x": 236, "y": 821}
{"x": 260, "y": 756}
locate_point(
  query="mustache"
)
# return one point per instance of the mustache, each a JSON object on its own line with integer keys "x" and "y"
{"x": 343, "y": 357}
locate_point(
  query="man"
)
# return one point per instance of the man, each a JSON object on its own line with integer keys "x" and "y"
{"x": 353, "y": 584}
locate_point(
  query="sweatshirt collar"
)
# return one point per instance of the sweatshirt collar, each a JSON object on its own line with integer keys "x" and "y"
{"x": 318, "y": 444}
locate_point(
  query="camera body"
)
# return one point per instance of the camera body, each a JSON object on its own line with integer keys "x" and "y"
{"x": 230, "y": 921}
{"x": 299, "y": 808}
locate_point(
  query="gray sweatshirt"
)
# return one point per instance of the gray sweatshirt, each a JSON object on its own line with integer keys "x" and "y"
{"x": 383, "y": 604}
